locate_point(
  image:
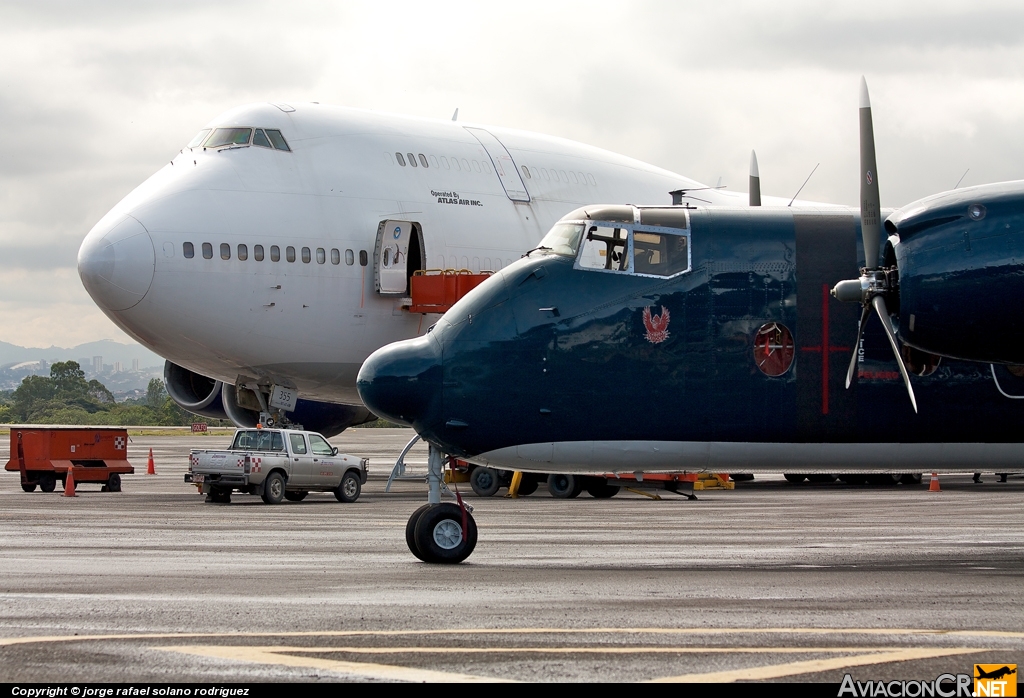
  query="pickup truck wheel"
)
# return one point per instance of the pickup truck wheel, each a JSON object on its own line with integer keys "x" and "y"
{"x": 349, "y": 488}
{"x": 273, "y": 488}
{"x": 28, "y": 486}
{"x": 439, "y": 535}
{"x": 47, "y": 482}
{"x": 295, "y": 496}
{"x": 484, "y": 481}
{"x": 410, "y": 531}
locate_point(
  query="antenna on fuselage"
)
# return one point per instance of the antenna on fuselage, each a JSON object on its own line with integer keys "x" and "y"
{"x": 962, "y": 178}
{"x": 755, "y": 181}
{"x": 803, "y": 185}
{"x": 455, "y": 116}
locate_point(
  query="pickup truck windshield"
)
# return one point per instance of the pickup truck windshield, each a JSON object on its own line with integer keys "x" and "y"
{"x": 257, "y": 440}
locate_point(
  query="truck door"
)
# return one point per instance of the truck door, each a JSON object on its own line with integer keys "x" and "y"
{"x": 325, "y": 468}
{"x": 397, "y": 254}
{"x": 302, "y": 461}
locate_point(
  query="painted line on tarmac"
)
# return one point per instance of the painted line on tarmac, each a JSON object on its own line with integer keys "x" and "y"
{"x": 933, "y": 632}
{"x": 365, "y": 670}
{"x": 813, "y": 666}
{"x": 287, "y": 656}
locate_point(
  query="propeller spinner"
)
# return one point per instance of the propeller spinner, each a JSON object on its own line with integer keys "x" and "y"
{"x": 874, "y": 283}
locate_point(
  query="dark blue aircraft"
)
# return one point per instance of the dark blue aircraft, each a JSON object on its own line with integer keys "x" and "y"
{"x": 708, "y": 339}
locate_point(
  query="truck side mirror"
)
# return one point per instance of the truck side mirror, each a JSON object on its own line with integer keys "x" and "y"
{"x": 334, "y": 450}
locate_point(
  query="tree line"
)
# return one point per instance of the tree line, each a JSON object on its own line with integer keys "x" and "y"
{"x": 66, "y": 397}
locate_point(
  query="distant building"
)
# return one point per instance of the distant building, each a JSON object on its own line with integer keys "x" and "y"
{"x": 97, "y": 364}
{"x": 135, "y": 364}
{"x": 118, "y": 367}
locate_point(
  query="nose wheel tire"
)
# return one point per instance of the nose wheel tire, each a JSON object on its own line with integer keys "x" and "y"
{"x": 273, "y": 489}
{"x": 484, "y": 482}
{"x": 438, "y": 536}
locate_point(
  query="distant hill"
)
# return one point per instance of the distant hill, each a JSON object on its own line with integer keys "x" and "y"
{"x": 110, "y": 351}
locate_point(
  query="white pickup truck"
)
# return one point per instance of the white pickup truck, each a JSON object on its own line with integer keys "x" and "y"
{"x": 276, "y": 464}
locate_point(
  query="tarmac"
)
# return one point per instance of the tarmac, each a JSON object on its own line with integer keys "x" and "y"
{"x": 767, "y": 582}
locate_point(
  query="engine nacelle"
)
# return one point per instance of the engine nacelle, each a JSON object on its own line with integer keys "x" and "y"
{"x": 194, "y": 392}
{"x": 960, "y": 257}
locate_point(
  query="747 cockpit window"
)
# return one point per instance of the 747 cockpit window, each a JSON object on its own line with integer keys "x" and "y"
{"x": 236, "y": 137}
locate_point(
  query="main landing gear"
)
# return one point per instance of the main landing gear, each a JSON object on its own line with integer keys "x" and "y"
{"x": 440, "y": 533}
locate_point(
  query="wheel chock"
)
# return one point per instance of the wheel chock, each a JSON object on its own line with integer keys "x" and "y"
{"x": 513, "y": 488}
{"x": 652, "y": 495}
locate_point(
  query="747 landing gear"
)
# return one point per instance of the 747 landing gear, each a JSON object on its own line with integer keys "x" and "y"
{"x": 440, "y": 533}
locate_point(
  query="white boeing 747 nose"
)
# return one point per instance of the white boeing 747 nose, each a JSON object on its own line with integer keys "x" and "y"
{"x": 117, "y": 264}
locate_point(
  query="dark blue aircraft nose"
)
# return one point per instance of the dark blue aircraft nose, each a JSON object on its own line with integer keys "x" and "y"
{"x": 402, "y": 381}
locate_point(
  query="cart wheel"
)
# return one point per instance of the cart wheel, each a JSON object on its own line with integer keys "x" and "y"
{"x": 563, "y": 486}
{"x": 295, "y": 496}
{"x": 484, "y": 481}
{"x": 528, "y": 485}
{"x": 28, "y": 486}
{"x": 114, "y": 483}
{"x": 47, "y": 482}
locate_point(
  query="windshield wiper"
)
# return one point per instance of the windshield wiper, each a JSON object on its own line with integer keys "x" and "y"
{"x": 541, "y": 247}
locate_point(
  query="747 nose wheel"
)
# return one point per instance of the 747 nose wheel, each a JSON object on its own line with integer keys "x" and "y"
{"x": 435, "y": 534}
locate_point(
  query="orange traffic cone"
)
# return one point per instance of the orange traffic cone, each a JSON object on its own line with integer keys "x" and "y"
{"x": 933, "y": 486}
{"x": 69, "y": 483}
{"x": 150, "y": 467}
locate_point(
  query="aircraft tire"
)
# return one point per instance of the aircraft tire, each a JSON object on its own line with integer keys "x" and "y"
{"x": 528, "y": 485}
{"x": 821, "y": 478}
{"x": 439, "y": 535}
{"x": 484, "y": 481}
{"x": 273, "y": 488}
{"x": 795, "y": 479}
{"x": 563, "y": 486}
{"x": 28, "y": 486}
{"x": 410, "y": 531}
{"x": 600, "y": 489}
{"x": 349, "y": 488}
{"x": 295, "y": 496}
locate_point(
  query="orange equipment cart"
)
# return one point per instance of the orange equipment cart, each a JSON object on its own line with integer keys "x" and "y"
{"x": 43, "y": 455}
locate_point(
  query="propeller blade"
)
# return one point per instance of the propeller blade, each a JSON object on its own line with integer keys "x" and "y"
{"x": 755, "y": 181}
{"x": 870, "y": 225}
{"x": 865, "y": 314}
{"x": 883, "y": 314}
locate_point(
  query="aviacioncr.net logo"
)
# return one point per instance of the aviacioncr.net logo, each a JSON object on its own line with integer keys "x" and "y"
{"x": 944, "y": 686}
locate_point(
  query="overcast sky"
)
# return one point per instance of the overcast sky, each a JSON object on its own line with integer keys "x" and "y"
{"x": 96, "y": 96}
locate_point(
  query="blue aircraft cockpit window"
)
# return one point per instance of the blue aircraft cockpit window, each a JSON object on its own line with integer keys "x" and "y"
{"x": 222, "y": 137}
{"x": 658, "y": 254}
{"x": 563, "y": 239}
{"x": 605, "y": 247}
{"x": 260, "y": 138}
{"x": 277, "y": 139}
{"x": 200, "y": 137}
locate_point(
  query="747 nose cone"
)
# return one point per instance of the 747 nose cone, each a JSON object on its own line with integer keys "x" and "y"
{"x": 402, "y": 381}
{"x": 117, "y": 264}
